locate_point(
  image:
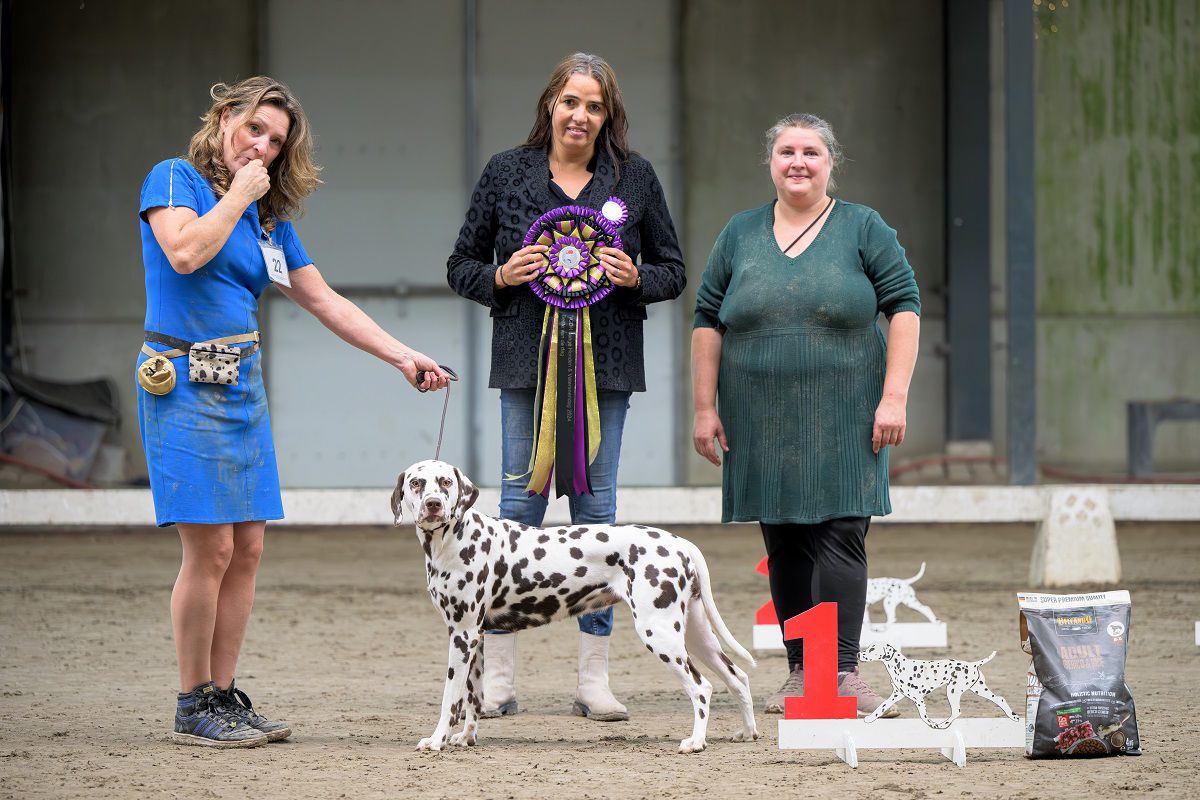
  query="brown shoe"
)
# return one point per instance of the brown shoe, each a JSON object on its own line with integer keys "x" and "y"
{"x": 793, "y": 686}
{"x": 851, "y": 683}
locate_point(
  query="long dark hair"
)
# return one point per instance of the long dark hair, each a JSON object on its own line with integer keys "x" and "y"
{"x": 613, "y": 135}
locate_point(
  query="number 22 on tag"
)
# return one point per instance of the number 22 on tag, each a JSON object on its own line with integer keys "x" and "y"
{"x": 276, "y": 262}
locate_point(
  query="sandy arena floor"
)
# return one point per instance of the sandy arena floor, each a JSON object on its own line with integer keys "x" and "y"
{"x": 345, "y": 644}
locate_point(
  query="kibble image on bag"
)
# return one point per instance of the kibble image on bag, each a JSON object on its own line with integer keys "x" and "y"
{"x": 1077, "y": 701}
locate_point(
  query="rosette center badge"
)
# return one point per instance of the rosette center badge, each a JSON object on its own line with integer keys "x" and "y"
{"x": 567, "y": 258}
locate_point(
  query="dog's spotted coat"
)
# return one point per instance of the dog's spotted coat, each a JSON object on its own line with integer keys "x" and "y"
{"x": 489, "y": 574}
{"x": 914, "y": 679}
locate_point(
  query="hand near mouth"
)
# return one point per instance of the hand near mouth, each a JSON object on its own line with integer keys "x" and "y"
{"x": 251, "y": 182}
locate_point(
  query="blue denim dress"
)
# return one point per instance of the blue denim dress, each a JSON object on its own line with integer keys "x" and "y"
{"x": 208, "y": 446}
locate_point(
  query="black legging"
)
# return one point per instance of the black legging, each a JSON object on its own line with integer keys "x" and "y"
{"x": 823, "y": 562}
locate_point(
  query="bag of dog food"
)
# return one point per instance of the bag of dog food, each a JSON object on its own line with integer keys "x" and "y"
{"x": 1077, "y": 702}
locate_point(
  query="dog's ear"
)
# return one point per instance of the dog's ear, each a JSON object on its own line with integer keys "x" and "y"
{"x": 467, "y": 493}
{"x": 398, "y": 499}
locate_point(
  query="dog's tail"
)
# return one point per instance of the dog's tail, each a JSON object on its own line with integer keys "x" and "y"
{"x": 917, "y": 577}
{"x": 700, "y": 567}
{"x": 983, "y": 661}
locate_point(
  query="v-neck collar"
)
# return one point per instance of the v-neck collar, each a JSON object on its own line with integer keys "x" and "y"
{"x": 561, "y": 195}
{"x": 812, "y": 242}
{"x": 593, "y": 195}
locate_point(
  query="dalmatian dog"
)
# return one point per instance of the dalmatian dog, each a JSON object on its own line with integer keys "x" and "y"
{"x": 490, "y": 574}
{"x": 914, "y": 679}
{"x": 894, "y": 592}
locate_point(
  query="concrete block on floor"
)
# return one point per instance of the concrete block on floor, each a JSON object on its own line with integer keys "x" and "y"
{"x": 970, "y": 447}
{"x": 959, "y": 473}
{"x": 1076, "y": 542}
{"x": 933, "y": 473}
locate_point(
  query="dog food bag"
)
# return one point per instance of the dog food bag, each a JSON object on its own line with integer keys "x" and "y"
{"x": 1077, "y": 703}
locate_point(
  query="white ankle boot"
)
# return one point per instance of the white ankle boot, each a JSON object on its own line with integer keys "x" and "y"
{"x": 593, "y": 698}
{"x": 499, "y": 663}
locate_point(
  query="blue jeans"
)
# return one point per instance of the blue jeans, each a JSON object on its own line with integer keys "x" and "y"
{"x": 516, "y": 421}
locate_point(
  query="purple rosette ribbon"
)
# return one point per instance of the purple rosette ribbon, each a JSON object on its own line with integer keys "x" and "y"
{"x": 572, "y": 275}
{"x": 566, "y": 431}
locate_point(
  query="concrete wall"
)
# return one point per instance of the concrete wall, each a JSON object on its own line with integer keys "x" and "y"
{"x": 105, "y": 90}
{"x": 102, "y": 92}
{"x": 1118, "y": 199}
{"x": 385, "y": 88}
{"x": 873, "y": 69}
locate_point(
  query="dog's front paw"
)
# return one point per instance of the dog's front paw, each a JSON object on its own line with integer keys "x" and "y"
{"x": 746, "y": 736}
{"x": 692, "y": 745}
{"x": 465, "y": 737}
{"x": 874, "y": 715}
{"x": 432, "y": 743}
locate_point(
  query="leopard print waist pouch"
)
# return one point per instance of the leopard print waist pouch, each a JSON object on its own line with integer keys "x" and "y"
{"x": 214, "y": 361}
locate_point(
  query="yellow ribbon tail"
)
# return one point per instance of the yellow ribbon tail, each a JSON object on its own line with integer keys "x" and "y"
{"x": 541, "y": 459}
{"x": 536, "y": 399}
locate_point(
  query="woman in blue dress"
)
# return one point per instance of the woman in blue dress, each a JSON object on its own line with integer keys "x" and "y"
{"x": 216, "y": 230}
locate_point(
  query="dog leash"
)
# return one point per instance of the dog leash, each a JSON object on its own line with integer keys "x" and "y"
{"x": 445, "y": 404}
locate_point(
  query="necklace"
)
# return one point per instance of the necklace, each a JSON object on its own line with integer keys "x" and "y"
{"x": 809, "y": 228}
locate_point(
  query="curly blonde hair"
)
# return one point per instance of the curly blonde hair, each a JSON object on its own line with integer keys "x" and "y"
{"x": 293, "y": 173}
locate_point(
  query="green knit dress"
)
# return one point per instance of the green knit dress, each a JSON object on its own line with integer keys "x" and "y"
{"x": 802, "y": 363}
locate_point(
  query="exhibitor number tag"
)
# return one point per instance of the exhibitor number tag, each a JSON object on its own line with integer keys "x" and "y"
{"x": 276, "y": 262}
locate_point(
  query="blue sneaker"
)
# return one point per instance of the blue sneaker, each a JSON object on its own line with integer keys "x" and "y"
{"x": 200, "y": 719}
{"x": 237, "y": 702}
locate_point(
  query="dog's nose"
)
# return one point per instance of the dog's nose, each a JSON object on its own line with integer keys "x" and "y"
{"x": 433, "y": 505}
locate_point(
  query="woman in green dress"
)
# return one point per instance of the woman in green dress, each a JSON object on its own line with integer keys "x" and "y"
{"x": 810, "y": 394}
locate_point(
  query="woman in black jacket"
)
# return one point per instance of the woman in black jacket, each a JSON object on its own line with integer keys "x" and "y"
{"x": 576, "y": 154}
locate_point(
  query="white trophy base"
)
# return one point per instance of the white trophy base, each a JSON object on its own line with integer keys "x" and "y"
{"x": 845, "y": 736}
{"x": 900, "y": 635}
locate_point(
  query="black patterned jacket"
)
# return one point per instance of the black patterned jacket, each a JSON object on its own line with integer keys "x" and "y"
{"x": 512, "y": 193}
